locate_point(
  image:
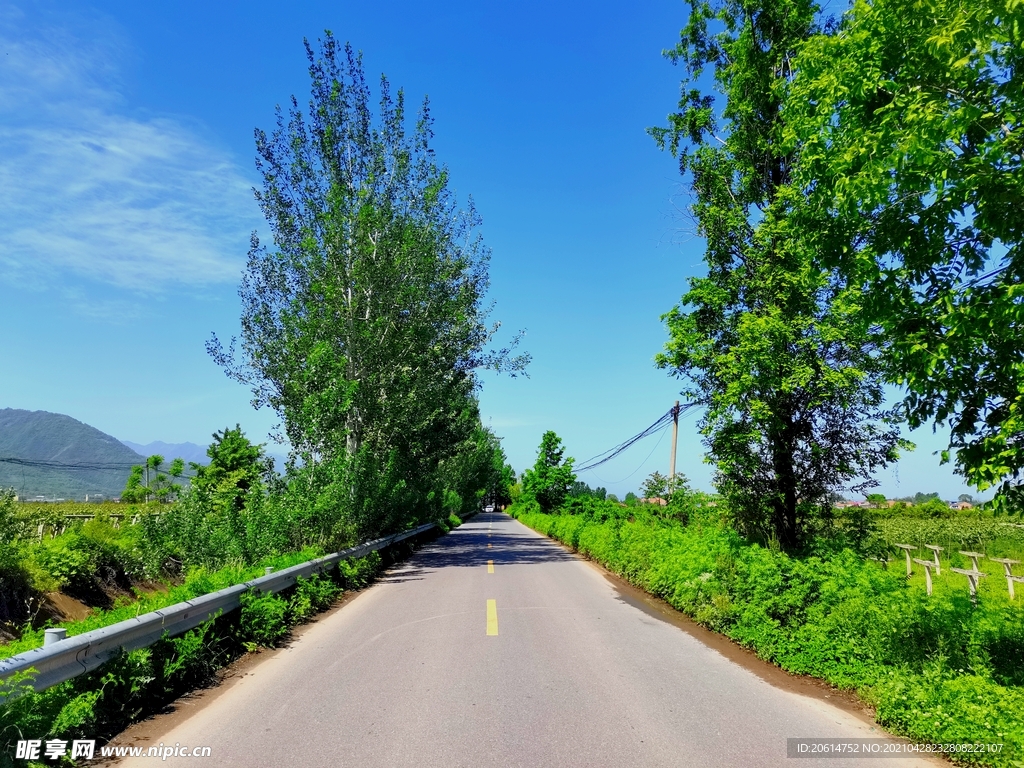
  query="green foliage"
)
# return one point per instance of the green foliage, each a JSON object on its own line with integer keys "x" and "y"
{"x": 769, "y": 342}
{"x": 579, "y": 488}
{"x": 227, "y": 515}
{"x": 68, "y": 559}
{"x": 659, "y": 486}
{"x": 936, "y": 668}
{"x": 364, "y": 325}
{"x": 980, "y": 534}
{"x": 236, "y": 467}
{"x": 264, "y": 619}
{"x": 908, "y": 123}
{"x": 14, "y": 571}
{"x": 551, "y": 478}
{"x": 134, "y": 489}
{"x": 311, "y": 596}
{"x": 198, "y": 582}
{"x": 192, "y": 659}
{"x": 147, "y": 481}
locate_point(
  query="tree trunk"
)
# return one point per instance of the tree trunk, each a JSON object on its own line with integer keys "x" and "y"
{"x": 784, "y": 520}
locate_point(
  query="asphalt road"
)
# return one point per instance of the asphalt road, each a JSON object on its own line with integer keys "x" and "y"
{"x": 494, "y": 647}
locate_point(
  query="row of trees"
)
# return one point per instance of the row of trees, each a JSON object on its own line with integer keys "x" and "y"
{"x": 858, "y": 183}
{"x": 364, "y": 323}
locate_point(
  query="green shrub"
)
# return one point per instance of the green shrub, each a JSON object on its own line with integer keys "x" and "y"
{"x": 356, "y": 574}
{"x": 68, "y": 559}
{"x": 191, "y": 659}
{"x": 264, "y": 619}
{"x": 311, "y": 596}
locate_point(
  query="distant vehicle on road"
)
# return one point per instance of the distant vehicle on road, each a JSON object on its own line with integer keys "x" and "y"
{"x": 489, "y": 508}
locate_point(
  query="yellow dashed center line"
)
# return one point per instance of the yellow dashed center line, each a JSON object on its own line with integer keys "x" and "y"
{"x": 492, "y": 617}
{"x": 488, "y": 545}
{"x": 490, "y": 566}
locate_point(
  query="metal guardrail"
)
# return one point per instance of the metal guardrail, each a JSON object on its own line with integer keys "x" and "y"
{"x": 76, "y": 655}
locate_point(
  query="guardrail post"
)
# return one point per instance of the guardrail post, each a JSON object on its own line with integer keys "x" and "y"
{"x": 54, "y": 635}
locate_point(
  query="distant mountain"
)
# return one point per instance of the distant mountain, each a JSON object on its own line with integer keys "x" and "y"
{"x": 187, "y": 451}
{"x": 190, "y": 452}
{"x": 53, "y": 455}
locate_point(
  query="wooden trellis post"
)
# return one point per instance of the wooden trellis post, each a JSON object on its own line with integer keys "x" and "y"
{"x": 935, "y": 553}
{"x": 974, "y": 557}
{"x": 972, "y": 579}
{"x": 1009, "y": 583}
{"x": 907, "y": 548}
{"x": 928, "y": 565}
{"x": 1010, "y": 578}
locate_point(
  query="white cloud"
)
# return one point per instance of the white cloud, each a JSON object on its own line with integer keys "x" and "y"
{"x": 143, "y": 204}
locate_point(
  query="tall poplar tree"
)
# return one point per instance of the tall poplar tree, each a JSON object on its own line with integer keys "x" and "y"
{"x": 364, "y": 324}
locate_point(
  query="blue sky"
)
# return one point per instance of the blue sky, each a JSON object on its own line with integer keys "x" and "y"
{"x": 126, "y": 175}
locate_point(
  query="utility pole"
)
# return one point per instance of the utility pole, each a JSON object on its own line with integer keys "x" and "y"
{"x": 675, "y": 438}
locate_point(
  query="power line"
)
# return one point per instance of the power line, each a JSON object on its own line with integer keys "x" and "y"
{"x": 83, "y": 465}
{"x": 642, "y": 463}
{"x": 663, "y": 421}
{"x": 611, "y": 453}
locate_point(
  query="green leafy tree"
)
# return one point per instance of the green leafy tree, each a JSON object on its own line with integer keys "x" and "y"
{"x": 236, "y": 466}
{"x": 580, "y": 489}
{"x": 364, "y": 324}
{"x": 659, "y": 486}
{"x": 655, "y": 486}
{"x": 551, "y": 477}
{"x": 909, "y": 120}
{"x": 11, "y": 526}
{"x": 770, "y": 342}
{"x": 932, "y": 508}
{"x": 135, "y": 490}
{"x": 148, "y": 481}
